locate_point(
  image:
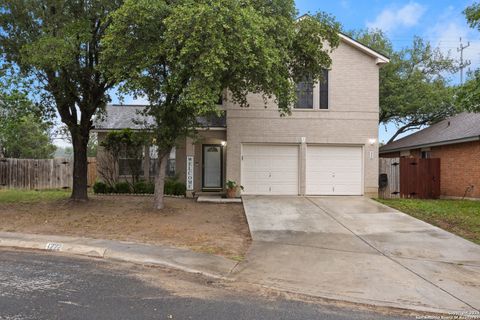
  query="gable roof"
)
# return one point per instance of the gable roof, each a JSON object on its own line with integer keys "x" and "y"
{"x": 463, "y": 127}
{"x": 380, "y": 58}
{"x": 118, "y": 117}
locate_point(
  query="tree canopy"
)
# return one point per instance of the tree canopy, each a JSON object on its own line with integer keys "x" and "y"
{"x": 57, "y": 42}
{"x": 469, "y": 93}
{"x": 182, "y": 55}
{"x": 414, "y": 87}
{"x": 24, "y": 131}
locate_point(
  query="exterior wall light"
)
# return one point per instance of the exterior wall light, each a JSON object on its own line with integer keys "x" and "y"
{"x": 224, "y": 143}
{"x": 372, "y": 141}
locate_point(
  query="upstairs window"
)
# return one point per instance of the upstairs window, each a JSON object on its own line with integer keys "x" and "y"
{"x": 304, "y": 95}
{"x": 324, "y": 90}
{"x": 220, "y": 100}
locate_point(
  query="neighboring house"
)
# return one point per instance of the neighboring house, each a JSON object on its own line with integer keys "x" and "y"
{"x": 456, "y": 142}
{"x": 328, "y": 146}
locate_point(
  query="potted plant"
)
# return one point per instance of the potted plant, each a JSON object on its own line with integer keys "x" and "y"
{"x": 232, "y": 189}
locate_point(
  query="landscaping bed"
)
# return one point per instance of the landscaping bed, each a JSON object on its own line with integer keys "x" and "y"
{"x": 219, "y": 229}
{"x": 461, "y": 217}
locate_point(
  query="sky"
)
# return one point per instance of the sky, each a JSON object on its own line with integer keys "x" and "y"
{"x": 439, "y": 21}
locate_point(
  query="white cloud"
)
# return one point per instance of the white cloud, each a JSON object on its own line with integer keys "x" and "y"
{"x": 392, "y": 18}
{"x": 446, "y": 34}
{"x": 345, "y": 4}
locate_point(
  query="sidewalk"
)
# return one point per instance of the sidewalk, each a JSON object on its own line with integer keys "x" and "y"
{"x": 181, "y": 259}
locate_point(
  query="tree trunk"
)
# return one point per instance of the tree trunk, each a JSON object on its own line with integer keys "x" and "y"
{"x": 80, "y": 167}
{"x": 160, "y": 182}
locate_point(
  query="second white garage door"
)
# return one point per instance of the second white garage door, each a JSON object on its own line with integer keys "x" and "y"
{"x": 270, "y": 169}
{"x": 334, "y": 170}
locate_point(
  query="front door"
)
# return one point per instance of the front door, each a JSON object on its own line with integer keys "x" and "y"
{"x": 212, "y": 167}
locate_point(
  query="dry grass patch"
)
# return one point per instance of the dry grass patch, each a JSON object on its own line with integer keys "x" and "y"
{"x": 219, "y": 229}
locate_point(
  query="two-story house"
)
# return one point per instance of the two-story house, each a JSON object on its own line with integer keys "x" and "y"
{"x": 328, "y": 146}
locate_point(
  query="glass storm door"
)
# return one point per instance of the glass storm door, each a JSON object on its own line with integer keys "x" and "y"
{"x": 212, "y": 166}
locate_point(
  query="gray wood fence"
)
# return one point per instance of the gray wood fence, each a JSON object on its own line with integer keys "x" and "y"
{"x": 391, "y": 168}
{"x": 36, "y": 174}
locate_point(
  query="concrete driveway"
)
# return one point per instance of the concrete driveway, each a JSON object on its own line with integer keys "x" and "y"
{"x": 355, "y": 249}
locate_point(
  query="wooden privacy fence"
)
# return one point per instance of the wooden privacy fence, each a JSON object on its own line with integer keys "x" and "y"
{"x": 409, "y": 178}
{"x": 41, "y": 174}
{"x": 420, "y": 178}
{"x": 92, "y": 172}
{"x": 36, "y": 174}
{"x": 389, "y": 180}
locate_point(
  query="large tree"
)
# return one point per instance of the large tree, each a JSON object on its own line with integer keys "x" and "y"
{"x": 25, "y": 131}
{"x": 183, "y": 54}
{"x": 469, "y": 93}
{"x": 58, "y": 43}
{"x": 414, "y": 86}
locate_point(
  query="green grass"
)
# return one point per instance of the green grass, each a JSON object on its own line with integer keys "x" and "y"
{"x": 32, "y": 196}
{"x": 461, "y": 217}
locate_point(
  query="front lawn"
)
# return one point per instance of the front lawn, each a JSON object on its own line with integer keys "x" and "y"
{"x": 32, "y": 196}
{"x": 461, "y": 217}
{"x": 219, "y": 229}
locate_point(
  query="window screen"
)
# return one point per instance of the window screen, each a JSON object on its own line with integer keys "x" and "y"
{"x": 324, "y": 90}
{"x": 305, "y": 95}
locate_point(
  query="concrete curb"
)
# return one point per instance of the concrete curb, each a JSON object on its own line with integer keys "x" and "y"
{"x": 176, "y": 258}
{"x": 50, "y": 243}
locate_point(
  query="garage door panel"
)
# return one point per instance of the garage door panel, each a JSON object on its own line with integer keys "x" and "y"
{"x": 320, "y": 177}
{"x": 255, "y": 176}
{"x": 334, "y": 170}
{"x": 270, "y": 169}
{"x": 283, "y": 189}
{"x": 320, "y": 189}
{"x": 290, "y": 179}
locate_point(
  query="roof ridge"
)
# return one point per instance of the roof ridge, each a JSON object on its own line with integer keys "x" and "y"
{"x": 126, "y": 105}
{"x": 463, "y": 125}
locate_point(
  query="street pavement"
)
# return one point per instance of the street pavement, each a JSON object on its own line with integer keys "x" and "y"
{"x": 36, "y": 285}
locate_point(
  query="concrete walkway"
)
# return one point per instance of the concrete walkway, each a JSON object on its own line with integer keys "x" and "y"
{"x": 355, "y": 249}
{"x": 181, "y": 259}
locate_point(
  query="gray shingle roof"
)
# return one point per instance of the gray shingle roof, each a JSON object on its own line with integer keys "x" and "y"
{"x": 119, "y": 117}
{"x": 464, "y": 126}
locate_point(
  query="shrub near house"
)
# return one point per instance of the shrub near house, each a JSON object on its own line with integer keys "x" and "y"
{"x": 172, "y": 187}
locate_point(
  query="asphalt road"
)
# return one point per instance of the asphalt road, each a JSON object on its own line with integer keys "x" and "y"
{"x": 36, "y": 285}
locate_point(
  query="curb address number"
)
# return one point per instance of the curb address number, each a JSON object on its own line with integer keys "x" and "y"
{"x": 52, "y": 246}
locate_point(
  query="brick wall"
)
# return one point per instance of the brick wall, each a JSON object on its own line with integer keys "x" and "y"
{"x": 460, "y": 168}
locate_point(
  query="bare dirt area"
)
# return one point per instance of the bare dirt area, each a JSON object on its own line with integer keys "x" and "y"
{"x": 219, "y": 229}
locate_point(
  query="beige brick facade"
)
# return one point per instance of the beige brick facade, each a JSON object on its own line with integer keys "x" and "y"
{"x": 352, "y": 118}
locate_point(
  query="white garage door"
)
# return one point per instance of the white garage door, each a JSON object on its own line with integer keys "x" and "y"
{"x": 270, "y": 169}
{"x": 334, "y": 170}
